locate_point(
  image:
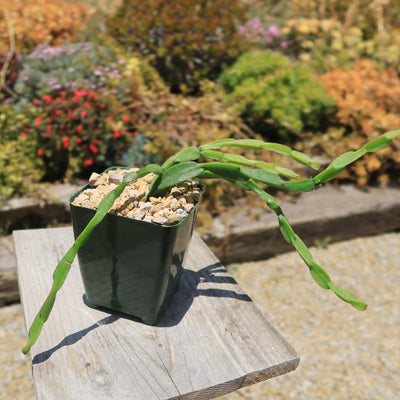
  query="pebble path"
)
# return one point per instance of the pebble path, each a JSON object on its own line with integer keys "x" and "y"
{"x": 344, "y": 353}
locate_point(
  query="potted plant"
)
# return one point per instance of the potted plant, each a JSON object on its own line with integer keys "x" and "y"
{"x": 188, "y": 164}
{"x": 132, "y": 262}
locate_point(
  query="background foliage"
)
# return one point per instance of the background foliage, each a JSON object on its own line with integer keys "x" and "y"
{"x": 185, "y": 40}
{"x": 276, "y": 96}
{"x": 39, "y": 21}
{"x": 320, "y": 75}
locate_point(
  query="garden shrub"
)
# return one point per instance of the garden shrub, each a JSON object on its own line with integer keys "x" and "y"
{"x": 80, "y": 131}
{"x": 323, "y": 43}
{"x": 275, "y": 96}
{"x": 369, "y": 16}
{"x": 326, "y": 44}
{"x": 368, "y": 101}
{"x": 87, "y": 66}
{"x": 20, "y": 168}
{"x": 185, "y": 40}
{"x": 384, "y": 48}
{"x": 40, "y": 21}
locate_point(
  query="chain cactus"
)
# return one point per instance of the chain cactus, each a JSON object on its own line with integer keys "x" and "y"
{"x": 238, "y": 170}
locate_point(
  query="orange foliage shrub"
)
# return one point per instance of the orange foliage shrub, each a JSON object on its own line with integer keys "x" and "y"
{"x": 39, "y": 21}
{"x": 368, "y": 101}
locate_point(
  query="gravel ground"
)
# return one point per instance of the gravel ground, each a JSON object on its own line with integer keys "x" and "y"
{"x": 345, "y": 354}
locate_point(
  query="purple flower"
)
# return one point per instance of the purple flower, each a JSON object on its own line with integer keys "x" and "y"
{"x": 284, "y": 45}
{"x": 93, "y": 86}
{"x": 97, "y": 72}
{"x": 274, "y": 30}
{"x": 71, "y": 69}
{"x": 121, "y": 61}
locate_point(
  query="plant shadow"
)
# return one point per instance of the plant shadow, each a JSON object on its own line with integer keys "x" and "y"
{"x": 188, "y": 289}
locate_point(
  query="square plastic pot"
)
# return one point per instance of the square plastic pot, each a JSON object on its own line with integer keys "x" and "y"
{"x": 129, "y": 265}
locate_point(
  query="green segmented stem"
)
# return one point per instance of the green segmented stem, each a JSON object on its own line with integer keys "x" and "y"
{"x": 260, "y": 145}
{"x": 233, "y": 168}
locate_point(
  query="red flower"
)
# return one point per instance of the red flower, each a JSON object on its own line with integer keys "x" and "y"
{"x": 38, "y": 120}
{"x": 70, "y": 112}
{"x": 84, "y": 113}
{"x": 116, "y": 134}
{"x": 75, "y": 99}
{"x": 23, "y": 134}
{"x": 78, "y": 140}
{"x": 65, "y": 141}
{"x": 134, "y": 134}
{"x": 88, "y": 162}
{"x": 90, "y": 93}
{"x": 64, "y": 102}
{"x": 49, "y": 128}
{"x": 80, "y": 93}
{"x": 47, "y": 98}
{"x": 36, "y": 102}
{"x": 40, "y": 152}
{"x": 125, "y": 118}
{"x": 87, "y": 105}
{"x": 93, "y": 148}
{"x": 102, "y": 106}
{"x": 58, "y": 98}
{"x": 58, "y": 112}
{"x": 79, "y": 128}
{"x": 63, "y": 93}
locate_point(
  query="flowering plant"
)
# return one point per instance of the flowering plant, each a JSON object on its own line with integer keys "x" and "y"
{"x": 80, "y": 130}
{"x": 254, "y": 31}
{"x": 81, "y": 65}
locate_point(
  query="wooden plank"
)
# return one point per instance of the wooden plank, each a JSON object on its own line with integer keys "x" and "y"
{"x": 211, "y": 340}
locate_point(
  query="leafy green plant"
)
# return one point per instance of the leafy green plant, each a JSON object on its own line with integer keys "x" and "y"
{"x": 276, "y": 97}
{"x": 20, "y": 169}
{"x": 185, "y": 40}
{"x": 188, "y": 164}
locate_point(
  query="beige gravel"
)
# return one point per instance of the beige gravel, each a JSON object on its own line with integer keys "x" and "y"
{"x": 345, "y": 354}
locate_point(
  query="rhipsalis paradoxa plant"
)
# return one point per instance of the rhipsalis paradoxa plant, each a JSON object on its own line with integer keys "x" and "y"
{"x": 249, "y": 174}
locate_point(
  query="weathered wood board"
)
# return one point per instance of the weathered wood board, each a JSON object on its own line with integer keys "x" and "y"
{"x": 211, "y": 340}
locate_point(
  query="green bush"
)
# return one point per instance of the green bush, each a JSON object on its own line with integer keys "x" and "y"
{"x": 276, "y": 97}
{"x": 185, "y": 40}
{"x": 20, "y": 168}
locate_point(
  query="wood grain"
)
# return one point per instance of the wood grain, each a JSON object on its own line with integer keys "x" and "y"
{"x": 211, "y": 340}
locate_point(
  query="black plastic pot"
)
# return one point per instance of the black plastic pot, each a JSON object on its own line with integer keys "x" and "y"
{"x": 129, "y": 265}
